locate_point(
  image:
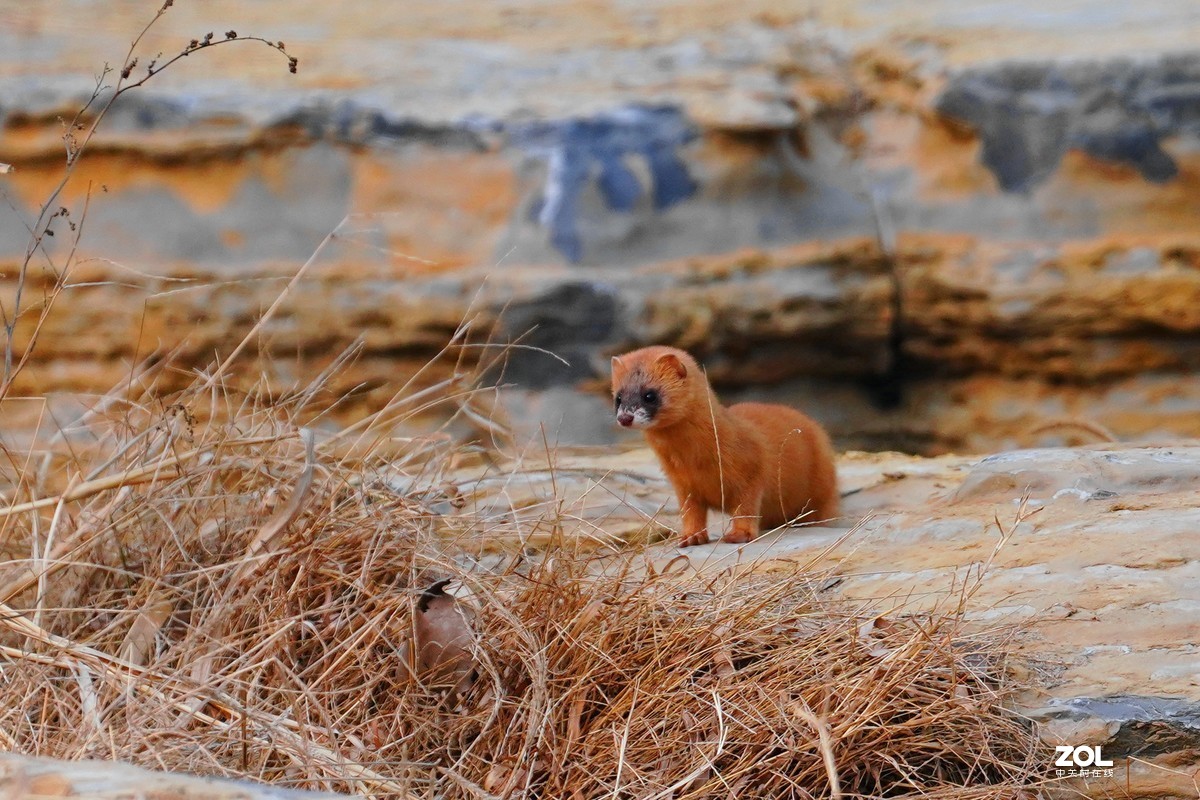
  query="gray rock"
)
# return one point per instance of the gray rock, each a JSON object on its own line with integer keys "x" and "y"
{"x": 1121, "y": 111}
{"x": 1140, "y": 726}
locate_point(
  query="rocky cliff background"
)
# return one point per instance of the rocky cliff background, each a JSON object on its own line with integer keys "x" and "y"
{"x": 937, "y": 228}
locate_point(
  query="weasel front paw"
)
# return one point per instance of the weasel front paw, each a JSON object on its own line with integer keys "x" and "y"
{"x": 738, "y": 537}
{"x": 696, "y": 537}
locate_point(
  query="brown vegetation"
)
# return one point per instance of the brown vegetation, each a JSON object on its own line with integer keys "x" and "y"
{"x": 210, "y": 596}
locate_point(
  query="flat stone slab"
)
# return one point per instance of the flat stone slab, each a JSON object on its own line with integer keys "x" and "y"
{"x": 27, "y": 778}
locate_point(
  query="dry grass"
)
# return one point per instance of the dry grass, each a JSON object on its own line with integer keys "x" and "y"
{"x": 187, "y": 588}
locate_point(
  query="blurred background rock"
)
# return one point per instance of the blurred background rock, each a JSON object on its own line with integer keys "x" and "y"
{"x": 935, "y": 226}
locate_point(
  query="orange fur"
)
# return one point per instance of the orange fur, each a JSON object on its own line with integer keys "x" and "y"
{"x": 763, "y": 464}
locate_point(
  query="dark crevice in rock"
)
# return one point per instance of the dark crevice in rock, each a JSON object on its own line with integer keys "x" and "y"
{"x": 887, "y": 387}
{"x": 348, "y": 122}
{"x": 569, "y": 323}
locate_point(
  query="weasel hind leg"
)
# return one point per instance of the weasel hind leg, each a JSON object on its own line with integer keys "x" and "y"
{"x": 746, "y": 521}
{"x": 744, "y": 529}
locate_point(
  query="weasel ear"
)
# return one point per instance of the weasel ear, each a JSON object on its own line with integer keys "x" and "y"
{"x": 669, "y": 362}
{"x": 618, "y": 367}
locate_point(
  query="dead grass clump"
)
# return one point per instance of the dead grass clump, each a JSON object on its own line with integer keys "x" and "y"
{"x": 201, "y": 587}
{"x": 653, "y": 686}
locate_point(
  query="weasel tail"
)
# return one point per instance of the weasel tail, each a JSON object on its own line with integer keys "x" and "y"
{"x": 761, "y": 463}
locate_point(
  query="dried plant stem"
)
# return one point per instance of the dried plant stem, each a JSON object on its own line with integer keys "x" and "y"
{"x": 224, "y": 364}
{"x": 825, "y": 738}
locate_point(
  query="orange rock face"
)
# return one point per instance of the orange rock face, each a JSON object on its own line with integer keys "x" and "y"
{"x": 464, "y": 160}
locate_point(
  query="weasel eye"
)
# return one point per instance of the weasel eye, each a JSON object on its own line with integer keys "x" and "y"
{"x": 617, "y": 400}
{"x": 650, "y": 397}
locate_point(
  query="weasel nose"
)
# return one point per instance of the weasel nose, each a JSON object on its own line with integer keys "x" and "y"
{"x": 625, "y": 419}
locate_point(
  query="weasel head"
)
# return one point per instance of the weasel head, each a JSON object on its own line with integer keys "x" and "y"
{"x": 651, "y": 387}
